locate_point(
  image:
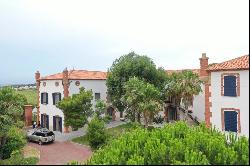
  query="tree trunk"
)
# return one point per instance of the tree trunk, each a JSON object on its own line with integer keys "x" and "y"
{"x": 139, "y": 117}
{"x": 145, "y": 120}
{"x": 133, "y": 116}
{"x": 2, "y": 143}
{"x": 186, "y": 113}
{"x": 121, "y": 114}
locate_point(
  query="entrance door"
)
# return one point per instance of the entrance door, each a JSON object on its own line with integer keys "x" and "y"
{"x": 57, "y": 123}
{"x": 172, "y": 114}
{"x": 45, "y": 121}
{"x": 110, "y": 111}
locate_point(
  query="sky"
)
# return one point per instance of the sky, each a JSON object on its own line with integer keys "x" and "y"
{"x": 49, "y": 35}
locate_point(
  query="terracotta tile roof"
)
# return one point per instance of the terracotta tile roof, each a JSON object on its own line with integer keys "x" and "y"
{"x": 79, "y": 75}
{"x": 240, "y": 63}
{"x": 197, "y": 71}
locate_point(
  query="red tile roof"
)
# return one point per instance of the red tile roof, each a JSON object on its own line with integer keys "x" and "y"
{"x": 240, "y": 63}
{"x": 79, "y": 75}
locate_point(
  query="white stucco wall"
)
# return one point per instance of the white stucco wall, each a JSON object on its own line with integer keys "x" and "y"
{"x": 199, "y": 105}
{"x": 97, "y": 86}
{"x": 51, "y": 109}
{"x": 240, "y": 102}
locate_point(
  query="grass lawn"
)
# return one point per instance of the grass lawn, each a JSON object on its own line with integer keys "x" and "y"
{"x": 113, "y": 132}
{"x": 30, "y": 94}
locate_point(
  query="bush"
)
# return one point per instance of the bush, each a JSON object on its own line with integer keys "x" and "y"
{"x": 17, "y": 159}
{"x": 174, "y": 144}
{"x": 158, "y": 119}
{"x": 16, "y": 139}
{"x": 96, "y": 134}
{"x": 107, "y": 118}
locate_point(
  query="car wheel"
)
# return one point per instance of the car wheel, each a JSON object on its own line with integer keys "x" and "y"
{"x": 40, "y": 142}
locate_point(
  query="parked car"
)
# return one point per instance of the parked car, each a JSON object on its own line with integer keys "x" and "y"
{"x": 41, "y": 135}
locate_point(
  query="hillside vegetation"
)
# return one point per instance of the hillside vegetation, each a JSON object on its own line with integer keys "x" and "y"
{"x": 30, "y": 94}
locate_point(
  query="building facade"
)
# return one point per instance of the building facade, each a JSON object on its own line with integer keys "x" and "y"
{"x": 53, "y": 88}
{"x": 223, "y": 102}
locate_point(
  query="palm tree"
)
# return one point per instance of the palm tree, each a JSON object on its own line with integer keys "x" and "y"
{"x": 191, "y": 86}
{"x": 182, "y": 86}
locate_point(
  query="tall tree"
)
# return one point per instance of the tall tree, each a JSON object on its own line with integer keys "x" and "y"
{"x": 182, "y": 87}
{"x": 11, "y": 113}
{"x": 141, "y": 97}
{"x": 77, "y": 108}
{"x": 191, "y": 85}
{"x": 132, "y": 65}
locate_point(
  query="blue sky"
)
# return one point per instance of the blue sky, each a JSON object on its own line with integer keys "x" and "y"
{"x": 49, "y": 35}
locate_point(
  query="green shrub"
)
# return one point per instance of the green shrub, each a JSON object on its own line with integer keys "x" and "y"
{"x": 96, "y": 134}
{"x": 107, "y": 118}
{"x": 16, "y": 140}
{"x": 174, "y": 144}
{"x": 17, "y": 159}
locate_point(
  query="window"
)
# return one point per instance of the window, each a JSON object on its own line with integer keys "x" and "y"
{"x": 44, "y": 98}
{"x": 230, "y": 85}
{"x": 56, "y": 83}
{"x": 77, "y": 83}
{"x": 97, "y": 96}
{"x": 56, "y": 98}
{"x": 230, "y": 121}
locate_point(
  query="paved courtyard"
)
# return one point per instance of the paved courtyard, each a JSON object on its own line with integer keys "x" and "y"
{"x": 61, "y": 137}
{"x": 59, "y": 153}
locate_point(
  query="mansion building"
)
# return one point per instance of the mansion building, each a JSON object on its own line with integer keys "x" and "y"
{"x": 223, "y": 102}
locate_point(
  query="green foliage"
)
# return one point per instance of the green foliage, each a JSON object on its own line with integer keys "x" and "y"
{"x": 16, "y": 139}
{"x": 173, "y": 144}
{"x": 141, "y": 97}
{"x": 11, "y": 114}
{"x": 107, "y": 118}
{"x": 100, "y": 107}
{"x": 132, "y": 65}
{"x": 96, "y": 134}
{"x": 77, "y": 108}
{"x": 30, "y": 94}
{"x": 113, "y": 133}
{"x": 182, "y": 86}
{"x": 17, "y": 159}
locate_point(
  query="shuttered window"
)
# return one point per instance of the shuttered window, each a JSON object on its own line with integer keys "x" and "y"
{"x": 44, "y": 98}
{"x": 230, "y": 86}
{"x": 56, "y": 98}
{"x": 97, "y": 96}
{"x": 230, "y": 121}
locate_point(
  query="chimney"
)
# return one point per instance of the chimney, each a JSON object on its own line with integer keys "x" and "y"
{"x": 203, "y": 65}
{"x": 65, "y": 82}
{"x": 37, "y": 77}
